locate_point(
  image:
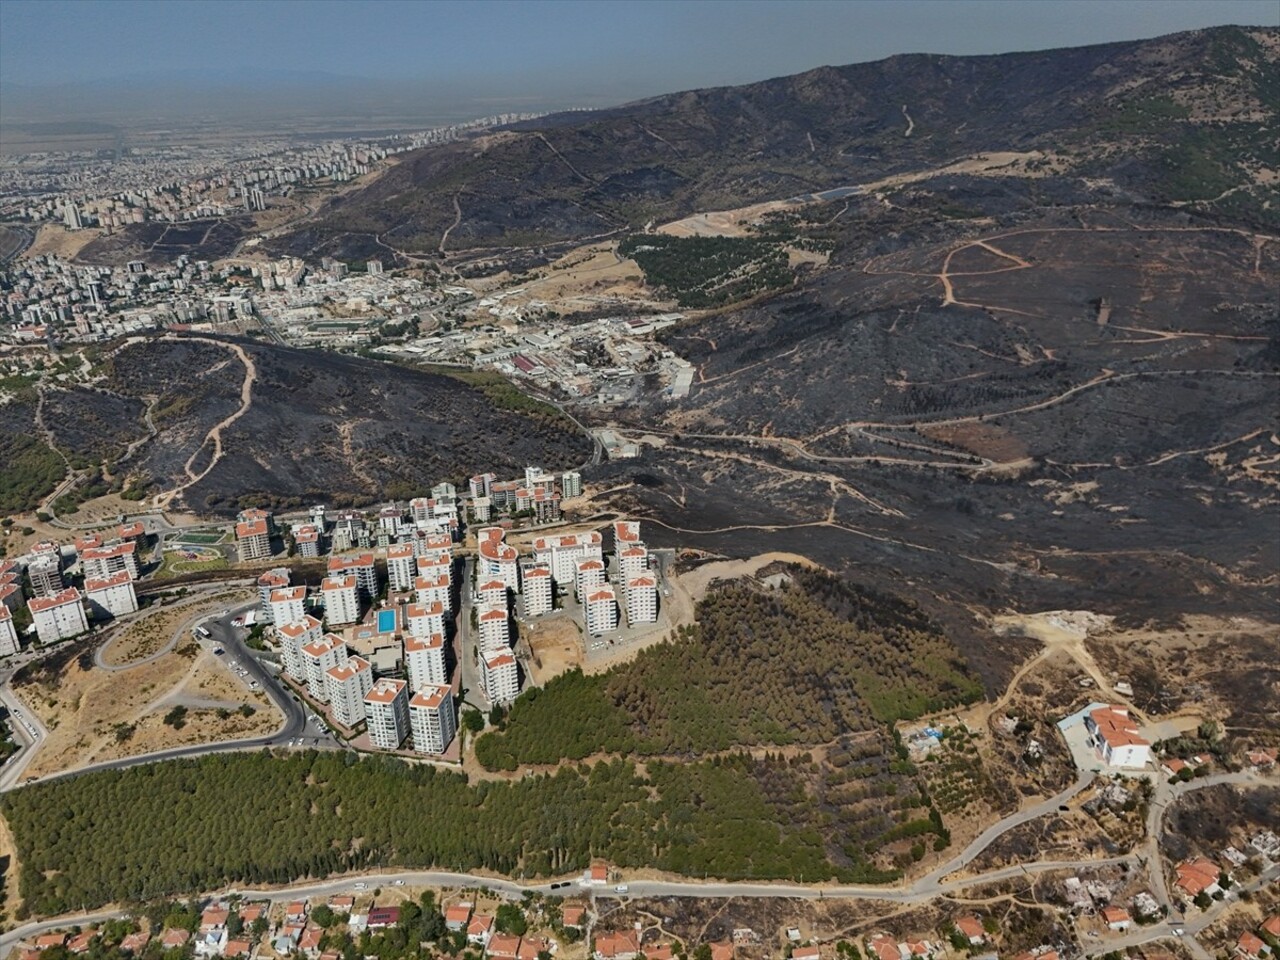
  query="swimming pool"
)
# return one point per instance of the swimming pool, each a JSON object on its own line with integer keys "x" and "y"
{"x": 386, "y": 621}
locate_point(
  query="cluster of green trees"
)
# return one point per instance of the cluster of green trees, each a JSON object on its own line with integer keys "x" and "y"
{"x": 32, "y": 470}
{"x": 799, "y": 665}
{"x": 818, "y": 661}
{"x": 504, "y": 395}
{"x": 190, "y": 825}
{"x": 703, "y": 272}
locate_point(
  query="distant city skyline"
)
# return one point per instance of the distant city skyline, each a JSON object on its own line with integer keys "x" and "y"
{"x": 561, "y": 52}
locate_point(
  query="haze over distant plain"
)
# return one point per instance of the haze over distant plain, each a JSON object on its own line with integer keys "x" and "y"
{"x": 62, "y": 59}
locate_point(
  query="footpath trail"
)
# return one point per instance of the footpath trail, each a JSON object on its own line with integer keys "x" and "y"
{"x": 215, "y": 433}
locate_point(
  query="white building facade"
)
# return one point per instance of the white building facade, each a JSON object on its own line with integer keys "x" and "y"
{"x": 60, "y": 616}
{"x": 348, "y": 684}
{"x": 111, "y": 596}
{"x": 500, "y": 676}
{"x": 386, "y": 713}
{"x": 424, "y": 660}
{"x": 433, "y": 719}
{"x": 341, "y": 599}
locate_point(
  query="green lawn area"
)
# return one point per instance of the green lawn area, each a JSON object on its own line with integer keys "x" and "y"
{"x": 175, "y": 564}
{"x": 199, "y": 538}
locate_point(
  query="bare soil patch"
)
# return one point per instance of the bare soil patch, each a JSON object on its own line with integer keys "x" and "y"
{"x": 981, "y": 439}
{"x": 1224, "y": 668}
{"x": 556, "y": 646}
{"x": 149, "y": 633}
{"x": 58, "y": 240}
{"x": 94, "y": 715}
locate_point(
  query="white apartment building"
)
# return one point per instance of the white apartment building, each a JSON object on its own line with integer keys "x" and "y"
{"x": 538, "y": 597}
{"x": 45, "y": 574}
{"x": 436, "y": 565}
{"x": 390, "y": 519}
{"x": 348, "y": 684}
{"x": 386, "y": 713}
{"x": 293, "y": 637}
{"x": 481, "y": 509}
{"x": 562, "y": 553}
{"x": 642, "y": 600}
{"x": 111, "y": 596}
{"x": 433, "y": 719}
{"x": 359, "y": 565}
{"x": 481, "y": 485}
{"x": 570, "y": 484}
{"x": 101, "y": 562}
{"x": 495, "y": 628}
{"x": 432, "y": 590}
{"x": 435, "y": 545}
{"x": 424, "y": 660}
{"x": 8, "y": 633}
{"x": 402, "y": 566}
{"x": 341, "y": 597}
{"x": 306, "y": 540}
{"x": 11, "y": 597}
{"x": 425, "y": 619}
{"x": 268, "y": 583}
{"x": 497, "y": 559}
{"x": 601, "y": 611}
{"x": 633, "y": 562}
{"x": 492, "y": 593}
{"x": 253, "y": 540}
{"x": 318, "y": 657}
{"x": 59, "y": 616}
{"x": 626, "y": 533}
{"x": 500, "y": 676}
{"x": 420, "y": 510}
{"x": 587, "y": 576}
{"x": 288, "y": 604}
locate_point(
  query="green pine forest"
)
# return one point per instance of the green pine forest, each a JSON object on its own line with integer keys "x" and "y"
{"x": 799, "y": 775}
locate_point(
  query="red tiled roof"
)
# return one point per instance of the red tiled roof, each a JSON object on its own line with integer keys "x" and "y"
{"x": 1250, "y": 944}
{"x": 503, "y": 946}
{"x": 1196, "y": 876}
{"x": 617, "y": 943}
{"x": 1116, "y": 727}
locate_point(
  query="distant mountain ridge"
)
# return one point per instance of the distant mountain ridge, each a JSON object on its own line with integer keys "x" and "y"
{"x": 1203, "y": 101}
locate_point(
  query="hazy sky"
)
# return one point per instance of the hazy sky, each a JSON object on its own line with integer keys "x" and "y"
{"x": 557, "y": 47}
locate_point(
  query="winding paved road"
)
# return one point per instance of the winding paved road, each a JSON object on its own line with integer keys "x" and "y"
{"x": 222, "y": 634}
{"x": 927, "y": 888}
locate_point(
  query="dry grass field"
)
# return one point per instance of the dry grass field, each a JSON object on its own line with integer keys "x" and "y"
{"x": 94, "y": 714}
{"x": 154, "y": 629}
{"x": 58, "y": 240}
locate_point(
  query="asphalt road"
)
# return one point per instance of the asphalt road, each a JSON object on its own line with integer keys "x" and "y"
{"x": 294, "y": 727}
{"x": 512, "y": 890}
{"x": 12, "y": 771}
{"x": 927, "y": 888}
{"x": 985, "y": 839}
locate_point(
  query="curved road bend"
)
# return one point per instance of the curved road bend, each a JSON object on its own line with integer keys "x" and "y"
{"x": 985, "y": 839}
{"x": 185, "y": 627}
{"x": 293, "y": 726}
